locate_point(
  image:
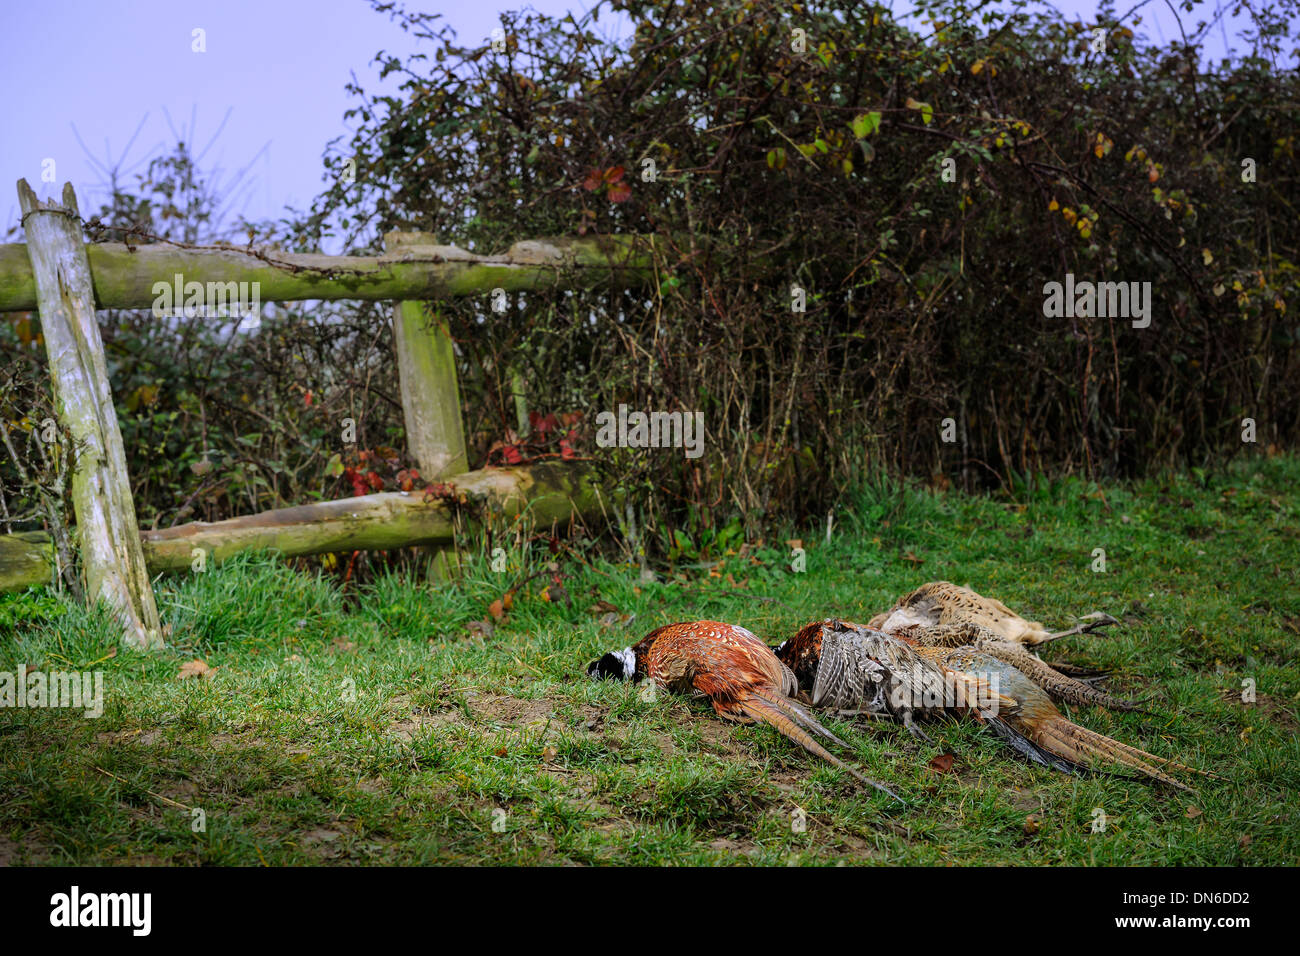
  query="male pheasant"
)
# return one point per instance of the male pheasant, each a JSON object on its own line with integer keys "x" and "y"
{"x": 735, "y": 670}
{"x": 856, "y": 670}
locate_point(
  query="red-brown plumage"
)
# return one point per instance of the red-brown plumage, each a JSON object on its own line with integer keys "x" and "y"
{"x": 725, "y": 662}
{"x": 739, "y": 674}
{"x": 803, "y": 652}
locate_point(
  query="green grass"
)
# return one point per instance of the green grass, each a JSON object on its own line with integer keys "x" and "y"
{"x": 448, "y": 731}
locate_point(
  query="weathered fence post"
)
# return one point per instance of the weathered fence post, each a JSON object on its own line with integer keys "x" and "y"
{"x": 426, "y": 368}
{"x": 109, "y": 540}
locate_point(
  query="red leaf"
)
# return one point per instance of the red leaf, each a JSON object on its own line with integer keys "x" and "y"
{"x": 620, "y": 192}
{"x": 374, "y": 481}
{"x": 566, "y": 450}
{"x": 942, "y": 763}
{"x": 543, "y": 423}
{"x": 306, "y": 399}
{"x": 614, "y": 174}
{"x": 511, "y": 454}
{"x": 592, "y": 182}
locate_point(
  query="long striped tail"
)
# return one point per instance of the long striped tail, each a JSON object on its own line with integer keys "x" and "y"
{"x": 1059, "y": 685}
{"x": 791, "y": 720}
{"x": 1086, "y": 748}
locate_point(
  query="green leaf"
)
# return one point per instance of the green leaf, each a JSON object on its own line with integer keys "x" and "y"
{"x": 864, "y": 125}
{"x": 927, "y": 111}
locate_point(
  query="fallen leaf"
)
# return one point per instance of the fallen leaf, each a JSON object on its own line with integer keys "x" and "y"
{"x": 196, "y": 668}
{"x": 1033, "y": 823}
{"x": 497, "y": 609}
{"x": 942, "y": 763}
{"x": 481, "y": 628}
{"x": 548, "y": 755}
{"x": 602, "y": 607}
{"x": 1193, "y": 812}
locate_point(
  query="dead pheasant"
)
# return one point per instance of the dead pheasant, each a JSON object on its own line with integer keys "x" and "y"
{"x": 858, "y": 670}
{"x": 735, "y": 670}
{"x": 941, "y": 602}
{"x": 940, "y": 614}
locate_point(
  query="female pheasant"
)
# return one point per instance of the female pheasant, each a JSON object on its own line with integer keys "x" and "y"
{"x": 941, "y": 602}
{"x": 940, "y": 614}
{"x": 735, "y": 670}
{"x": 858, "y": 670}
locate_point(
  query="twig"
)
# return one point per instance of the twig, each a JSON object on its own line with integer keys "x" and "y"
{"x": 157, "y": 796}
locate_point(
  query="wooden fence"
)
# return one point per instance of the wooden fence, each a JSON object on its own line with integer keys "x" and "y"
{"x": 57, "y": 272}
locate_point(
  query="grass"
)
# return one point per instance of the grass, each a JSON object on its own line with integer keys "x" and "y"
{"x": 379, "y": 728}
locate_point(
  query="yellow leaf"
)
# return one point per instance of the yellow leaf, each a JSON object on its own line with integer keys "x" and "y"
{"x": 1053, "y": 206}
{"x": 1206, "y": 256}
{"x": 976, "y": 67}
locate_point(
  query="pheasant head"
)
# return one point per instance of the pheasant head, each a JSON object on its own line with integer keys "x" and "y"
{"x": 616, "y": 665}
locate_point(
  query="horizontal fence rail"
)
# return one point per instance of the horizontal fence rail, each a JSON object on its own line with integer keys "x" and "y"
{"x": 550, "y": 493}
{"x": 124, "y": 277}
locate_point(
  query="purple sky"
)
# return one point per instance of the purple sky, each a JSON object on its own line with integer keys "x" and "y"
{"x": 278, "y": 66}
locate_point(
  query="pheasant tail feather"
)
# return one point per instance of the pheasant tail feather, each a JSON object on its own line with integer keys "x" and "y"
{"x": 763, "y": 708}
{"x": 1088, "y": 748}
